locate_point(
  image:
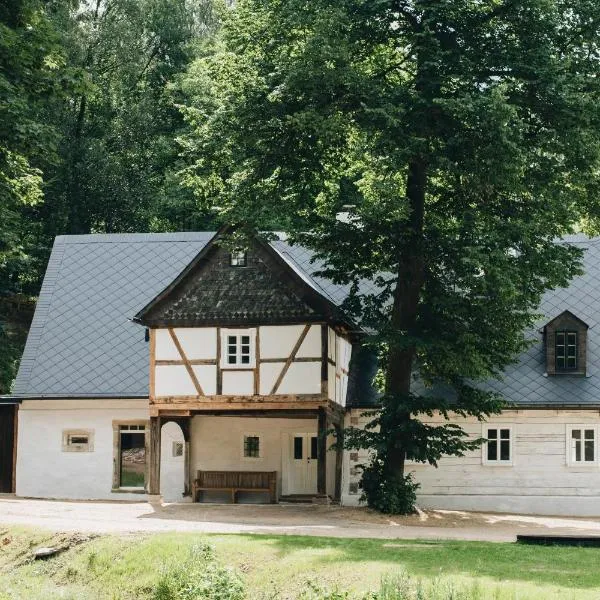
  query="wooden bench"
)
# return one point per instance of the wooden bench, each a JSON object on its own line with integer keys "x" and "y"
{"x": 236, "y": 481}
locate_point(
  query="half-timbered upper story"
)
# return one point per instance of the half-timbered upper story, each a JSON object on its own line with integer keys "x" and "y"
{"x": 242, "y": 328}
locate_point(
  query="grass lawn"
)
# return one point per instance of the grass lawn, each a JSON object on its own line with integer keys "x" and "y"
{"x": 274, "y": 567}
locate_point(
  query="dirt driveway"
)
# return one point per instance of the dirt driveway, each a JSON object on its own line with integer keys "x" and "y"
{"x": 335, "y": 521}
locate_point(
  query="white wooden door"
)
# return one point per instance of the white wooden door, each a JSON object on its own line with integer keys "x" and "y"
{"x": 302, "y": 464}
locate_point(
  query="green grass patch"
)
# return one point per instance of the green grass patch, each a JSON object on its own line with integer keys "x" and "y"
{"x": 139, "y": 566}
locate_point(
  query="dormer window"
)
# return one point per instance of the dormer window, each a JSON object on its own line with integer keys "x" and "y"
{"x": 566, "y": 345}
{"x": 566, "y": 350}
{"x": 238, "y": 258}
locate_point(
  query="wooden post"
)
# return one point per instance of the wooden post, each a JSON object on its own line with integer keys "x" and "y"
{"x": 325, "y": 360}
{"x": 339, "y": 458}
{"x": 322, "y": 452}
{"x": 15, "y": 442}
{"x": 154, "y": 458}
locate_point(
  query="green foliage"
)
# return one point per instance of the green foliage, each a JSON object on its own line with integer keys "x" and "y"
{"x": 199, "y": 577}
{"x": 388, "y": 494}
{"x": 459, "y": 139}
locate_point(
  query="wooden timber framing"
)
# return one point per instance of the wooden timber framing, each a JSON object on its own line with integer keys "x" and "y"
{"x": 191, "y": 361}
{"x": 154, "y": 457}
{"x": 290, "y": 358}
{"x": 186, "y": 362}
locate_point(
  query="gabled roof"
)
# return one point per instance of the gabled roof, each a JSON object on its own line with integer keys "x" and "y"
{"x": 569, "y": 314}
{"x": 209, "y": 291}
{"x": 83, "y": 342}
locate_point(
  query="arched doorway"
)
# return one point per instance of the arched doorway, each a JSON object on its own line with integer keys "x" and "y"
{"x": 172, "y": 462}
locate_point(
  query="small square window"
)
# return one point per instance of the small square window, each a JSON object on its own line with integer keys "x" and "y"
{"x": 497, "y": 449}
{"x": 238, "y": 349}
{"x": 177, "y": 449}
{"x": 251, "y": 446}
{"x": 238, "y": 258}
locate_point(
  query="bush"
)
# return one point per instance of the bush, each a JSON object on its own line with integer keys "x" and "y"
{"x": 392, "y": 496}
{"x": 200, "y": 577}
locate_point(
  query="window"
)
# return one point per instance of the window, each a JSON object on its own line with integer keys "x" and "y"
{"x": 238, "y": 258}
{"x": 581, "y": 445}
{"x": 177, "y": 449}
{"x": 132, "y": 456}
{"x": 497, "y": 450}
{"x": 252, "y": 446}
{"x": 566, "y": 350}
{"x": 78, "y": 440}
{"x": 238, "y": 349}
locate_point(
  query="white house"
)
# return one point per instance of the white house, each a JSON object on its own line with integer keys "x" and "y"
{"x": 169, "y": 364}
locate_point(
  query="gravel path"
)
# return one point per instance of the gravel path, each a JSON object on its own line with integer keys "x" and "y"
{"x": 124, "y": 517}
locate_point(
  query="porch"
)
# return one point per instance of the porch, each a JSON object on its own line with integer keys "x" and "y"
{"x": 250, "y": 456}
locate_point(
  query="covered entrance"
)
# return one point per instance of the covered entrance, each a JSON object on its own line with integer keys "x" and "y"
{"x": 8, "y": 438}
{"x": 251, "y": 456}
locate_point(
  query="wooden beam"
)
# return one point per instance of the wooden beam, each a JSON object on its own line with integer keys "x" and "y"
{"x": 291, "y": 357}
{"x": 186, "y": 362}
{"x": 191, "y": 361}
{"x": 175, "y": 400}
{"x": 322, "y": 452}
{"x": 339, "y": 459}
{"x": 154, "y": 458}
{"x": 298, "y": 359}
{"x": 194, "y": 407}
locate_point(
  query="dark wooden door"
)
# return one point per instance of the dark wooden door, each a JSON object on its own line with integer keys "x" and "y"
{"x": 7, "y": 443}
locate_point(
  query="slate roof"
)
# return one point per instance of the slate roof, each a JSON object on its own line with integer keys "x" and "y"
{"x": 210, "y": 292}
{"x": 525, "y": 382}
{"x": 82, "y": 342}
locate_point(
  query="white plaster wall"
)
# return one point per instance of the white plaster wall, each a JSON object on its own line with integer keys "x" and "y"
{"x": 171, "y": 467}
{"x": 197, "y": 343}
{"x": 302, "y": 378}
{"x": 278, "y": 341}
{"x": 217, "y": 442}
{"x": 45, "y": 471}
{"x": 238, "y": 383}
{"x": 538, "y": 482}
{"x": 174, "y": 380}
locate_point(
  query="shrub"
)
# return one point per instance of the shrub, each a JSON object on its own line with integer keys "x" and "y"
{"x": 389, "y": 495}
{"x": 199, "y": 577}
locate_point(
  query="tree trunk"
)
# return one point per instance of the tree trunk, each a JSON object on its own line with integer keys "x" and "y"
{"x": 404, "y": 316}
{"x": 74, "y": 198}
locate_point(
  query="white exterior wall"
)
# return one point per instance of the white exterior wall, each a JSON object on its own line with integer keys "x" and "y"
{"x": 217, "y": 444}
{"x": 275, "y": 341}
{"x": 339, "y": 353}
{"x": 45, "y": 471}
{"x": 539, "y": 481}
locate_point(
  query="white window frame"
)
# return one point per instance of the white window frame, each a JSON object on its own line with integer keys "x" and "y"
{"x": 238, "y": 258}
{"x": 69, "y": 446}
{"x": 484, "y": 455}
{"x": 260, "y": 446}
{"x": 571, "y": 462}
{"x": 225, "y": 333}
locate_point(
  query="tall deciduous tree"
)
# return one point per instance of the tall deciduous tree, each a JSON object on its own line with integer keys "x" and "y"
{"x": 460, "y": 138}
